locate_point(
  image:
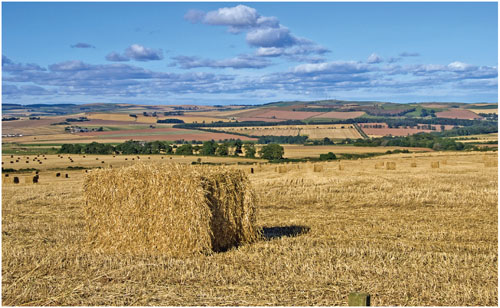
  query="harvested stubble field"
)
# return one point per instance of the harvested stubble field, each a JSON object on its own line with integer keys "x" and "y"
{"x": 63, "y": 161}
{"x": 301, "y": 151}
{"x": 411, "y": 236}
{"x": 332, "y": 131}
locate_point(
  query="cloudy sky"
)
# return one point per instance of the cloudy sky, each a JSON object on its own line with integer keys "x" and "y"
{"x": 248, "y": 53}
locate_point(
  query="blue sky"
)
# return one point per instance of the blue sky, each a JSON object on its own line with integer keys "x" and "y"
{"x": 248, "y": 53}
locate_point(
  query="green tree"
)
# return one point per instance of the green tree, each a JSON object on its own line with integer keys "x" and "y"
{"x": 249, "y": 150}
{"x": 185, "y": 149}
{"x": 272, "y": 151}
{"x": 328, "y": 156}
{"x": 208, "y": 148}
{"x": 222, "y": 150}
{"x": 238, "y": 144}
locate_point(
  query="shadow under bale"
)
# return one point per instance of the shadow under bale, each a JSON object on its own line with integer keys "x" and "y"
{"x": 270, "y": 233}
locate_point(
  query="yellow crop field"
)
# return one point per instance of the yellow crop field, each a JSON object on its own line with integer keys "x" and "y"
{"x": 54, "y": 161}
{"x": 121, "y": 117}
{"x": 488, "y": 111}
{"x": 478, "y": 138}
{"x": 409, "y": 236}
{"x": 301, "y": 151}
{"x": 196, "y": 119}
{"x": 332, "y": 131}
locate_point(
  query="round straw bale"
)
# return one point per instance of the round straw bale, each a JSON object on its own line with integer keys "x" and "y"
{"x": 58, "y": 174}
{"x": 16, "y": 180}
{"x": 187, "y": 209}
{"x": 390, "y": 165}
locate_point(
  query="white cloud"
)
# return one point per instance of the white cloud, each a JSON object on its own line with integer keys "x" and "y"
{"x": 271, "y": 37}
{"x": 337, "y": 67}
{"x": 136, "y": 52}
{"x": 374, "y": 58}
{"x": 239, "y": 16}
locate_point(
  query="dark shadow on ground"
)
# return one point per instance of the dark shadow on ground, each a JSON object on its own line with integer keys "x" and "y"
{"x": 270, "y": 233}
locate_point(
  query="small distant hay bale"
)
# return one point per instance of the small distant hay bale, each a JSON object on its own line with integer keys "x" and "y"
{"x": 96, "y": 158}
{"x": 27, "y": 162}
{"x": 434, "y": 164}
{"x": 15, "y": 180}
{"x": 11, "y": 162}
{"x": 390, "y": 165}
{"x": 58, "y": 174}
{"x": 281, "y": 169}
{"x": 6, "y": 175}
{"x": 169, "y": 209}
{"x": 318, "y": 168}
{"x": 162, "y": 157}
{"x": 35, "y": 179}
{"x": 66, "y": 175}
{"x": 251, "y": 170}
{"x": 379, "y": 165}
{"x": 126, "y": 158}
{"x": 45, "y": 158}
{"x": 444, "y": 162}
{"x": 413, "y": 165}
{"x": 490, "y": 164}
{"x": 102, "y": 162}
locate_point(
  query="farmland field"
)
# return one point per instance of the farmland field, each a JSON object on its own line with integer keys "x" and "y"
{"x": 161, "y": 134}
{"x": 340, "y": 115}
{"x": 191, "y": 118}
{"x": 414, "y": 236}
{"x": 301, "y": 151}
{"x": 488, "y": 111}
{"x": 332, "y": 131}
{"x": 458, "y": 114}
{"x": 382, "y": 129}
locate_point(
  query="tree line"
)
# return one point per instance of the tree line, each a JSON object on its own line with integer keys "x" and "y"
{"x": 208, "y": 148}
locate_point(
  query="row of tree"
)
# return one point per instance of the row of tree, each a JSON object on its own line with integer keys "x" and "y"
{"x": 208, "y": 148}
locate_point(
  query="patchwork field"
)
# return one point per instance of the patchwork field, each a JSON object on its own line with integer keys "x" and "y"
{"x": 413, "y": 236}
{"x": 60, "y": 162}
{"x": 161, "y": 134}
{"x": 340, "y": 115}
{"x": 332, "y": 131}
{"x": 487, "y": 111}
{"x": 191, "y": 118}
{"x": 300, "y": 151}
{"x": 382, "y": 129}
{"x": 458, "y": 114}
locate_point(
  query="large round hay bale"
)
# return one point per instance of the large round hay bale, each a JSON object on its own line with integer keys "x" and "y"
{"x": 390, "y": 165}
{"x": 169, "y": 209}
